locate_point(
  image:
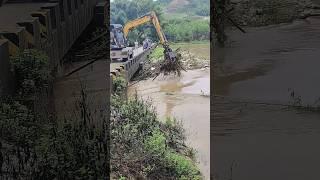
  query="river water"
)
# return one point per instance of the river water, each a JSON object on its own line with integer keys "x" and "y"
{"x": 187, "y": 99}
{"x": 253, "y": 138}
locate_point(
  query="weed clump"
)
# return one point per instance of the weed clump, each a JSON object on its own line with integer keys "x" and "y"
{"x": 31, "y": 71}
{"x": 143, "y": 147}
{"x": 119, "y": 85}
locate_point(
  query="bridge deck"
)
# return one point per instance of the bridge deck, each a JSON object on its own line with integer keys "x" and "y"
{"x": 115, "y": 65}
{"x": 132, "y": 66}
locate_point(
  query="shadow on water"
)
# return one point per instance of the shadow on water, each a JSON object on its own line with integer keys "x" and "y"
{"x": 267, "y": 141}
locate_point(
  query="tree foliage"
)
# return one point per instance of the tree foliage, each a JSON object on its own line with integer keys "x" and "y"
{"x": 186, "y": 29}
{"x": 31, "y": 71}
{"x": 197, "y": 7}
{"x": 123, "y": 11}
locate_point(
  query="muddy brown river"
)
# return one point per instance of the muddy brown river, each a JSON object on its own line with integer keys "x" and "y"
{"x": 187, "y": 99}
{"x": 253, "y": 137}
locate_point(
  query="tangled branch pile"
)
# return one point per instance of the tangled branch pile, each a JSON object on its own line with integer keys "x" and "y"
{"x": 168, "y": 66}
{"x": 152, "y": 69}
{"x": 186, "y": 60}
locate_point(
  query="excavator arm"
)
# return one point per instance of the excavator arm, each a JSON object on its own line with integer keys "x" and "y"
{"x": 151, "y": 17}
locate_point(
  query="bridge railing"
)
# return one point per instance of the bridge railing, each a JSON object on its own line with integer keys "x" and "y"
{"x": 133, "y": 65}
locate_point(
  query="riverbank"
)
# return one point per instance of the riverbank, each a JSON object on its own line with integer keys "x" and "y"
{"x": 141, "y": 119}
{"x": 144, "y": 147}
{"x": 186, "y": 98}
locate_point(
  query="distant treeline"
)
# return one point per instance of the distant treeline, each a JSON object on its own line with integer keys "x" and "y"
{"x": 196, "y": 7}
{"x": 193, "y": 26}
{"x": 187, "y": 30}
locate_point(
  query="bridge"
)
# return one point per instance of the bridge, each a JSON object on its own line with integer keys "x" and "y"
{"x": 51, "y": 26}
{"x": 54, "y": 26}
{"x": 129, "y": 68}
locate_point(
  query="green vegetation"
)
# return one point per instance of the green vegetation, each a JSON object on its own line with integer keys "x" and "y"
{"x": 178, "y": 30}
{"x": 157, "y": 53}
{"x": 178, "y": 26}
{"x": 183, "y": 167}
{"x": 77, "y": 148}
{"x": 31, "y": 71}
{"x": 119, "y": 85}
{"x": 199, "y": 48}
{"x": 122, "y": 11}
{"x": 40, "y": 148}
{"x": 143, "y": 147}
{"x": 195, "y": 7}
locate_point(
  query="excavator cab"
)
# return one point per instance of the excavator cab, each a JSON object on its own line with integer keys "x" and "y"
{"x": 117, "y": 37}
{"x": 118, "y": 44}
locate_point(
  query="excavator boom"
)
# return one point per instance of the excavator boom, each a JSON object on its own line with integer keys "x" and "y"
{"x": 151, "y": 17}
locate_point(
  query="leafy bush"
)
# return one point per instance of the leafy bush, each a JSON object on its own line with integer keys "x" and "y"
{"x": 143, "y": 147}
{"x": 156, "y": 144}
{"x": 184, "y": 168}
{"x": 119, "y": 84}
{"x": 181, "y": 165}
{"x": 157, "y": 53}
{"x": 32, "y": 70}
{"x": 174, "y": 133}
{"x": 17, "y": 123}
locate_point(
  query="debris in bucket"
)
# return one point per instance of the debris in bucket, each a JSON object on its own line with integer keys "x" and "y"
{"x": 185, "y": 60}
{"x": 171, "y": 64}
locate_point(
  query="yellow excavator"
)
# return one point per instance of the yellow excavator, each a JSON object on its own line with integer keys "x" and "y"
{"x": 151, "y": 17}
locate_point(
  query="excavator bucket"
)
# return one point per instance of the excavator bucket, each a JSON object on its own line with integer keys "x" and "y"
{"x": 171, "y": 63}
{"x": 169, "y": 54}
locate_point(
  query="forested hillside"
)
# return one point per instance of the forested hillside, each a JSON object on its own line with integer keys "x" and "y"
{"x": 181, "y": 20}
